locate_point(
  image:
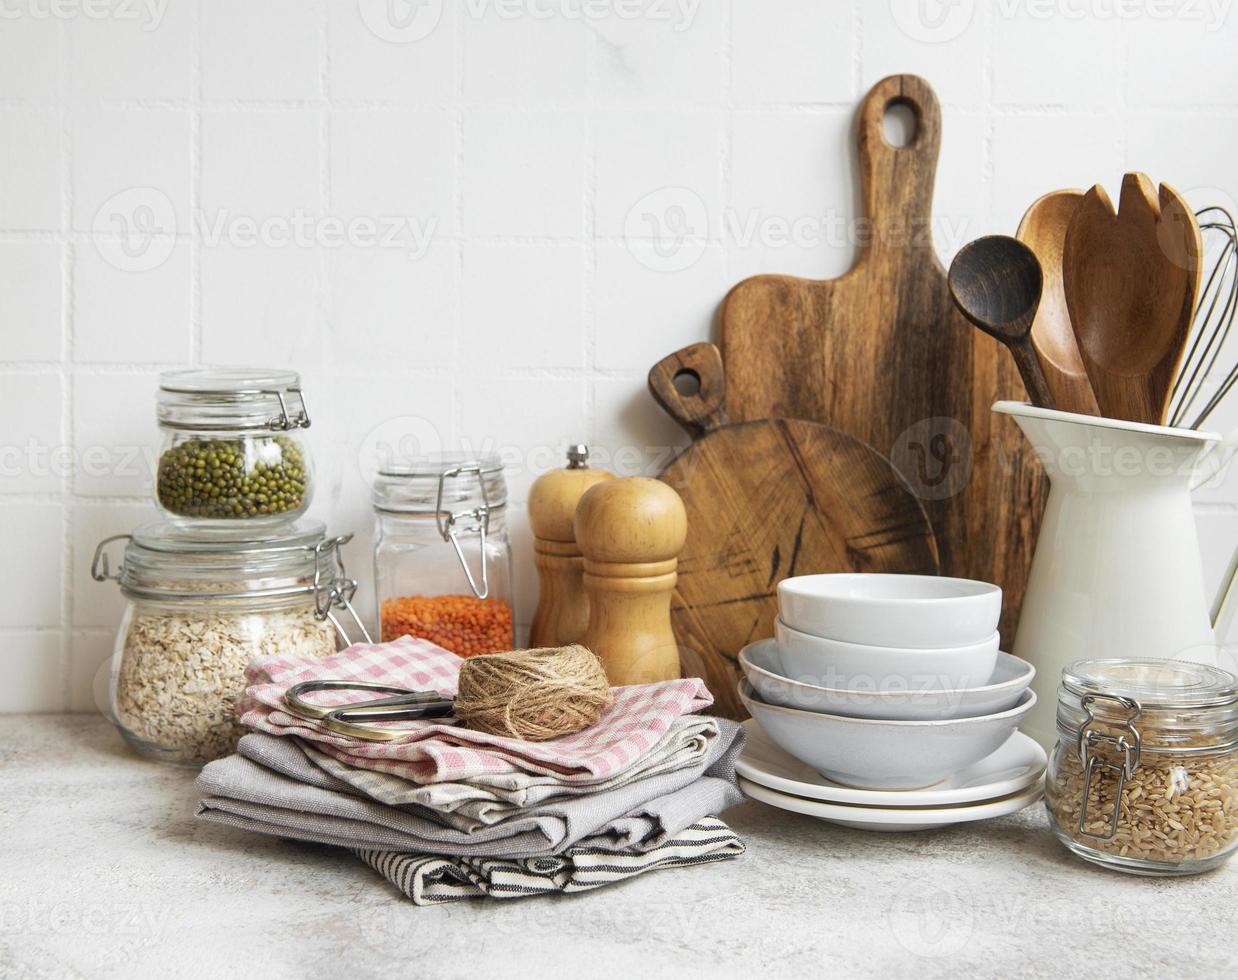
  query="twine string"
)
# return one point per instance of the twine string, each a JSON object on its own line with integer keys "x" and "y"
{"x": 534, "y": 695}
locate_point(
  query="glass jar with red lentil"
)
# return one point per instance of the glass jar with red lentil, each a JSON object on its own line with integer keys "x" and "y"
{"x": 442, "y": 558}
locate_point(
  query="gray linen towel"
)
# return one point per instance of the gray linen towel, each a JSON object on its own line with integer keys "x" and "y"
{"x": 490, "y": 799}
{"x": 288, "y": 796}
{"x": 432, "y": 880}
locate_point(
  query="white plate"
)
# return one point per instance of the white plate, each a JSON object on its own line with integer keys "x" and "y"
{"x": 1017, "y": 765}
{"x": 893, "y": 820}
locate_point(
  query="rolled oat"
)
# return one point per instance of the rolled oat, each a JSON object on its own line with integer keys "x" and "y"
{"x": 181, "y": 672}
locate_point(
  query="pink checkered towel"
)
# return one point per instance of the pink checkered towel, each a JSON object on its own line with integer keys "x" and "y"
{"x": 635, "y": 723}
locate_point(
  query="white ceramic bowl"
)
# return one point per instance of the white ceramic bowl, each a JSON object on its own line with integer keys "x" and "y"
{"x": 762, "y": 665}
{"x": 871, "y": 754}
{"x": 891, "y": 610}
{"x": 857, "y": 667}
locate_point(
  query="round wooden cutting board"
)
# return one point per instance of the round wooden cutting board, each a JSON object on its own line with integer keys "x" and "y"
{"x": 766, "y": 500}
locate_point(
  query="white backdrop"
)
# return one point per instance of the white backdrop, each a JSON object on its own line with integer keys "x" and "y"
{"x": 485, "y": 220}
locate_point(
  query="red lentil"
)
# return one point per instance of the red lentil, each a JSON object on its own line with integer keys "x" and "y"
{"x": 463, "y": 624}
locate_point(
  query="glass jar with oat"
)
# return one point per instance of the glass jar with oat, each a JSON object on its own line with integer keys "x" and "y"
{"x": 442, "y": 560}
{"x": 199, "y": 611}
{"x": 1144, "y": 778}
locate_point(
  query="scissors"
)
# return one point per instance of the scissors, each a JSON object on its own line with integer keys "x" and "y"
{"x": 348, "y": 719}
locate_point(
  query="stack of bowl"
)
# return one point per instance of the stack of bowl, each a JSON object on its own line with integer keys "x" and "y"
{"x": 888, "y": 692}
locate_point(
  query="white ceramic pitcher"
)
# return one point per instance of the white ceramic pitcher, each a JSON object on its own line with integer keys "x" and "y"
{"x": 1116, "y": 572}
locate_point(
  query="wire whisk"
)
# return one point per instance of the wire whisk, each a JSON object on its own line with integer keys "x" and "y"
{"x": 1214, "y": 321}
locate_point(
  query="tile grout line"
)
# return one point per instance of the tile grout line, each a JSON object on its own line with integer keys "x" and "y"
{"x": 988, "y": 151}
{"x": 589, "y": 221}
{"x": 68, "y": 384}
{"x": 195, "y": 190}
{"x": 455, "y": 421}
{"x": 727, "y": 149}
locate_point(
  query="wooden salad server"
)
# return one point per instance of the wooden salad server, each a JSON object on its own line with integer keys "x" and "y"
{"x": 1043, "y": 230}
{"x": 1131, "y": 278}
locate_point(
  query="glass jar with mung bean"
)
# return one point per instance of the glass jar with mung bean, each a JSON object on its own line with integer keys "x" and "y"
{"x": 232, "y": 453}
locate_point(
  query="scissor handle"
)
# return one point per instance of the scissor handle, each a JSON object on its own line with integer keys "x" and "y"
{"x": 316, "y": 712}
{"x": 408, "y": 711}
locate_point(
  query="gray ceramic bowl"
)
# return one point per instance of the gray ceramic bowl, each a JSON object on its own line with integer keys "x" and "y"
{"x": 765, "y": 668}
{"x": 872, "y": 754}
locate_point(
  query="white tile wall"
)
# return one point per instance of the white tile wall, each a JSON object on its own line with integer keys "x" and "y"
{"x": 485, "y": 222}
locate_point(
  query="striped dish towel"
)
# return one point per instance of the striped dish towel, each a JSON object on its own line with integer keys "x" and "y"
{"x": 634, "y": 724}
{"x": 432, "y": 880}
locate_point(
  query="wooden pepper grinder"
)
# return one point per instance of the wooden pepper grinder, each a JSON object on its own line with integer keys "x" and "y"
{"x": 562, "y": 604}
{"x": 630, "y": 532}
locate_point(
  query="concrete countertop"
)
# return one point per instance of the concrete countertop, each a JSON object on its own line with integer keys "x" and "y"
{"x": 107, "y": 874}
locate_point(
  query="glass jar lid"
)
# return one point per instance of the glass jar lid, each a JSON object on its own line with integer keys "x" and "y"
{"x": 1177, "y": 705}
{"x": 441, "y": 481}
{"x": 164, "y": 561}
{"x": 230, "y": 398}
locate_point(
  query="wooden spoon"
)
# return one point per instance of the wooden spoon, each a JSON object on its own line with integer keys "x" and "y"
{"x": 996, "y": 283}
{"x": 1131, "y": 279}
{"x": 1043, "y": 230}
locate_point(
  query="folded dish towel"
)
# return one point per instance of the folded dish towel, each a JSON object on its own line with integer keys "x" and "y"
{"x": 485, "y": 800}
{"x": 431, "y": 880}
{"x": 275, "y": 789}
{"x": 636, "y": 722}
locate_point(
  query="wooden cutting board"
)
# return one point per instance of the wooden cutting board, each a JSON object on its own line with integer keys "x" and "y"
{"x": 766, "y": 500}
{"x": 882, "y": 354}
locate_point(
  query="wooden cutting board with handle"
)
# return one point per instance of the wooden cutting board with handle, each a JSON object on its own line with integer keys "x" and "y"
{"x": 768, "y": 499}
{"x": 882, "y": 354}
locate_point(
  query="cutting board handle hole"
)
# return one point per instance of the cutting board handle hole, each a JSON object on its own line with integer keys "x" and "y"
{"x": 687, "y": 382}
{"x": 900, "y": 123}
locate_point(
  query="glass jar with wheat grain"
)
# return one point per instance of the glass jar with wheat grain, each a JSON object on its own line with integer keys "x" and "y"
{"x": 1144, "y": 778}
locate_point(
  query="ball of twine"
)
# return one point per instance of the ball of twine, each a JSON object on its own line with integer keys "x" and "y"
{"x": 533, "y": 695}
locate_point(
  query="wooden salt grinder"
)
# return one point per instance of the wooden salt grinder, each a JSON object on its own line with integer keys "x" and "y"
{"x": 630, "y": 532}
{"x": 562, "y": 604}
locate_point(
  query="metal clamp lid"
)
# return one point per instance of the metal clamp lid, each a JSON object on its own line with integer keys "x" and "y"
{"x": 1094, "y": 765}
{"x": 338, "y": 592}
{"x": 331, "y": 588}
{"x": 446, "y": 522}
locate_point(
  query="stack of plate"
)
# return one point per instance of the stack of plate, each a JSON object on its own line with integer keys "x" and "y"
{"x": 1004, "y": 782}
{"x": 884, "y": 703}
